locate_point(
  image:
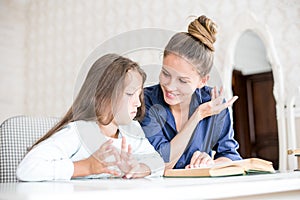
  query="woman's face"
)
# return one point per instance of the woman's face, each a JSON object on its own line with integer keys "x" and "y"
{"x": 179, "y": 80}
{"x": 129, "y": 101}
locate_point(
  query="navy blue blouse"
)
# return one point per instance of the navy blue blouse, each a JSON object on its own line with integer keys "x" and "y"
{"x": 211, "y": 133}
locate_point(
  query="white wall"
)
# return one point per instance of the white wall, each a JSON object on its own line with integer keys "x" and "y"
{"x": 250, "y": 54}
{"x": 12, "y": 58}
{"x": 43, "y": 44}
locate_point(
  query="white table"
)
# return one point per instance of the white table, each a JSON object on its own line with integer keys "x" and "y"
{"x": 267, "y": 186}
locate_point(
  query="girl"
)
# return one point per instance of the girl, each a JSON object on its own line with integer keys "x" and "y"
{"x": 91, "y": 139}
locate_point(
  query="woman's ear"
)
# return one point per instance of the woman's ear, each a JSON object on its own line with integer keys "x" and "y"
{"x": 203, "y": 81}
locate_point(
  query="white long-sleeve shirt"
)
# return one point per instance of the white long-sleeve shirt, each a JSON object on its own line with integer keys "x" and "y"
{"x": 53, "y": 158}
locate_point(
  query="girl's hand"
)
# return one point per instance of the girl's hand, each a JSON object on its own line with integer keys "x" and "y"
{"x": 97, "y": 161}
{"x": 200, "y": 159}
{"x": 127, "y": 162}
{"x": 216, "y": 105}
{"x": 129, "y": 165}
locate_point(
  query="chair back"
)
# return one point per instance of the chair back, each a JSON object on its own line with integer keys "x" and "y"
{"x": 17, "y": 134}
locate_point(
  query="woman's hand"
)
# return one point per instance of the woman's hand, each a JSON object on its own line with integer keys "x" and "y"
{"x": 200, "y": 159}
{"x": 96, "y": 164}
{"x": 216, "y": 105}
{"x": 130, "y": 166}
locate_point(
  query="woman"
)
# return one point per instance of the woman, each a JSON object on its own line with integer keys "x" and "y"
{"x": 91, "y": 139}
{"x": 185, "y": 119}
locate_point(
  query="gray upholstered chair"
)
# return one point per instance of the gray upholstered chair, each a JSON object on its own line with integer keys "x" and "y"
{"x": 17, "y": 134}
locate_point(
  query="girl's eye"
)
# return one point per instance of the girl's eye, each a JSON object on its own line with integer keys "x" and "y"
{"x": 129, "y": 94}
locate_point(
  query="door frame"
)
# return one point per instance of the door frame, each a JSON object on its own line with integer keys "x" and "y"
{"x": 247, "y": 21}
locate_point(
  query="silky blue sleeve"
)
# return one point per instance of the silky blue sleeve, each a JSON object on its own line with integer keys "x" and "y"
{"x": 153, "y": 126}
{"x": 227, "y": 146}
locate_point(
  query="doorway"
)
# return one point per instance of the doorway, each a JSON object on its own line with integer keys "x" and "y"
{"x": 254, "y": 116}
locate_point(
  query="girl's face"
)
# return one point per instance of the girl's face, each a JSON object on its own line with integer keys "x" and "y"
{"x": 129, "y": 101}
{"x": 179, "y": 80}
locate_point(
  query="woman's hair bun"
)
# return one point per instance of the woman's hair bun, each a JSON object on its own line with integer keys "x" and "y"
{"x": 204, "y": 29}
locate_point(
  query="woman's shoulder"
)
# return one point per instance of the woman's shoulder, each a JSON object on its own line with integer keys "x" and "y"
{"x": 206, "y": 90}
{"x": 204, "y": 93}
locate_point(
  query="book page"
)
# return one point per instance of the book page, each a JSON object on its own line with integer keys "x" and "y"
{"x": 239, "y": 167}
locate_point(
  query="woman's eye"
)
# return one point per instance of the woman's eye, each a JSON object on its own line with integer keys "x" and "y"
{"x": 165, "y": 73}
{"x": 182, "y": 81}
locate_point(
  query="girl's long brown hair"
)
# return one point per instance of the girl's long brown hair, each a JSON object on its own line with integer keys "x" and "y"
{"x": 99, "y": 92}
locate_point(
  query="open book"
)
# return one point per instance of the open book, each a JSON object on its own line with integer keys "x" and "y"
{"x": 239, "y": 167}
